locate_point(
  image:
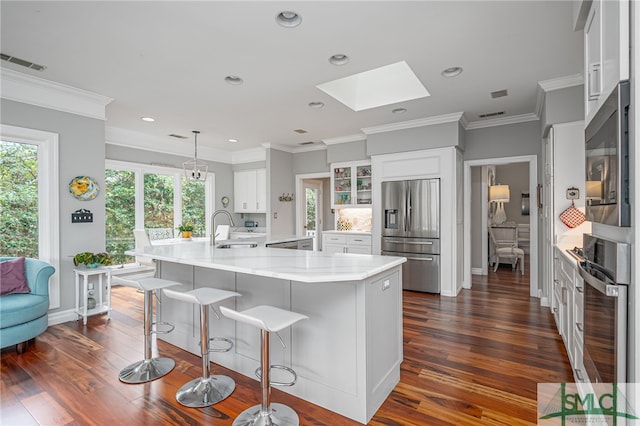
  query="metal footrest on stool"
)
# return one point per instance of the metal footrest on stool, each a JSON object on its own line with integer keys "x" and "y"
{"x": 220, "y": 339}
{"x": 258, "y": 374}
{"x": 155, "y": 330}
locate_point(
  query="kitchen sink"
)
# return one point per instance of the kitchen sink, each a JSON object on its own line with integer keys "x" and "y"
{"x": 237, "y": 245}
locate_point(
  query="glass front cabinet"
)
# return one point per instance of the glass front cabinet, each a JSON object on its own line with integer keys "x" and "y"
{"x": 351, "y": 184}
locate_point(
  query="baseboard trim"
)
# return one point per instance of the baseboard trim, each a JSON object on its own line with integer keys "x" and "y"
{"x": 62, "y": 316}
{"x": 476, "y": 271}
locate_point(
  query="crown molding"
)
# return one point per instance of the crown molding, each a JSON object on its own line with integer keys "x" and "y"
{"x": 20, "y": 87}
{"x": 345, "y": 139}
{"x": 429, "y": 121}
{"x": 522, "y": 118}
{"x": 555, "y": 84}
{"x": 463, "y": 121}
{"x": 137, "y": 140}
{"x": 249, "y": 155}
{"x": 561, "y": 82}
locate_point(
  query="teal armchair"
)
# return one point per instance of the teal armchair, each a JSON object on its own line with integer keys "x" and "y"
{"x": 24, "y": 316}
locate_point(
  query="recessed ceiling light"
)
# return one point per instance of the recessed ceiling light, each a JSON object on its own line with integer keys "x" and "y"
{"x": 316, "y": 104}
{"x": 399, "y": 110}
{"x": 233, "y": 140}
{"x": 451, "y": 72}
{"x": 339, "y": 59}
{"x": 288, "y": 19}
{"x": 233, "y": 79}
{"x": 148, "y": 119}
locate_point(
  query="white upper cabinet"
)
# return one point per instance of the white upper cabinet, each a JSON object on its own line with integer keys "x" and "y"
{"x": 606, "y": 48}
{"x": 250, "y": 191}
{"x": 351, "y": 185}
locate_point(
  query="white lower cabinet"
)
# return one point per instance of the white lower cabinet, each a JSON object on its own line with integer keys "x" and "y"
{"x": 340, "y": 242}
{"x": 567, "y": 307}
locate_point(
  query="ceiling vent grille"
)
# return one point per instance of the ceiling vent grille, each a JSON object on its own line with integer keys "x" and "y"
{"x": 22, "y": 62}
{"x": 307, "y": 143}
{"x": 499, "y": 93}
{"x": 173, "y": 135}
{"x": 491, "y": 114}
{"x": 301, "y": 131}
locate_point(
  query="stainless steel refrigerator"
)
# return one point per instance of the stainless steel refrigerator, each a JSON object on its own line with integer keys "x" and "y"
{"x": 411, "y": 228}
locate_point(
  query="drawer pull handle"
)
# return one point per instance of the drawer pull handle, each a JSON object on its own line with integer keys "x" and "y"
{"x": 579, "y": 289}
{"x": 579, "y": 326}
{"x": 579, "y": 374}
{"x": 417, "y": 243}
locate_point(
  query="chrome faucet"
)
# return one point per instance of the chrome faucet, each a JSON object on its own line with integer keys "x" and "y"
{"x": 213, "y": 224}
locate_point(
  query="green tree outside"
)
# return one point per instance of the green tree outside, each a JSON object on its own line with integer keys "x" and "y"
{"x": 18, "y": 199}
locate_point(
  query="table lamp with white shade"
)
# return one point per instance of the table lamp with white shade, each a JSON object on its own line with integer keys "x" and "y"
{"x": 499, "y": 194}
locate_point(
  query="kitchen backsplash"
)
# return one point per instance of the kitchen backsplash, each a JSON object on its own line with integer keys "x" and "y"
{"x": 359, "y": 219}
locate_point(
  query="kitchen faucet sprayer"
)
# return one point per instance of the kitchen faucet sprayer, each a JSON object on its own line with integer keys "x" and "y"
{"x": 213, "y": 224}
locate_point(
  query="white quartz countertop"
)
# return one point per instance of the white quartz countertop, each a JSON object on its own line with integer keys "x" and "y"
{"x": 295, "y": 265}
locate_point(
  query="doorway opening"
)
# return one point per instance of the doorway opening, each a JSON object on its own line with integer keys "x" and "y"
{"x": 313, "y": 206}
{"x": 476, "y": 193}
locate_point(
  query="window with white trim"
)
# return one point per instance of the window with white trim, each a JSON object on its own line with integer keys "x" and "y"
{"x": 155, "y": 198}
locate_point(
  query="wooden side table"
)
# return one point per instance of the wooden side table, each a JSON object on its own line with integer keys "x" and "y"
{"x": 103, "y": 296}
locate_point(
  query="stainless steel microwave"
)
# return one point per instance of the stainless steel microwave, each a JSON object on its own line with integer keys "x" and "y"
{"x": 607, "y": 161}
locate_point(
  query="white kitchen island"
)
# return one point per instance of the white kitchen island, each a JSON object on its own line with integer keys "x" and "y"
{"x": 347, "y": 355}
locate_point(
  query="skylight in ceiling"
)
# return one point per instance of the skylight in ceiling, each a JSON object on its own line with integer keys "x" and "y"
{"x": 378, "y": 87}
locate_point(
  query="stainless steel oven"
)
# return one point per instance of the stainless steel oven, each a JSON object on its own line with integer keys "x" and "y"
{"x": 605, "y": 268}
{"x": 607, "y": 161}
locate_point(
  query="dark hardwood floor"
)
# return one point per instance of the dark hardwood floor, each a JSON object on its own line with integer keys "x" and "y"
{"x": 470, "y": 360}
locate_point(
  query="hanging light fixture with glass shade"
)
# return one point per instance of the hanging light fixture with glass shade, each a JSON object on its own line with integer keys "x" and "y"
{"x": 195, "y": 169}
{"x": 499, "y": 194}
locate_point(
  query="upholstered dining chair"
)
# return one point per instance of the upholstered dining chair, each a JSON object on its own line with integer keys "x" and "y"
{"x": 506, "y": 249}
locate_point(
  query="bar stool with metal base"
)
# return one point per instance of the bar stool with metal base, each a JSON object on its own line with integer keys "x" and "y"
{"x": 149, "y": 368}
{"x": 268, "y": 319}
{"x": 206, "y": 390}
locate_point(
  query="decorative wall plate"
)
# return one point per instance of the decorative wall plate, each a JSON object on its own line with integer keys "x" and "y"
{"x": 84, "y": 188}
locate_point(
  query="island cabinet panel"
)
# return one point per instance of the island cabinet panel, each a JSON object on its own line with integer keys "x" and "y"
{"x": 180, "y": 314}
{"x": 347, "y": 354}
{"x": 325, "y": 342}
{"x": 383, "y": 349}
{"x": 262, "y": 291}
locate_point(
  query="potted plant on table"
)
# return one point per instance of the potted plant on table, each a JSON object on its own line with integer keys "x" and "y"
{"x": 92, "y": 260}
{"x": 186, "y": 229}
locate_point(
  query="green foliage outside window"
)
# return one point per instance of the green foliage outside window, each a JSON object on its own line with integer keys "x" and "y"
{"x": 18, "y": 199}
{"x": 311, "y": 209}
{"x": 158, "y": 201}
{"x": 120, "y": 199}
{"x": 193, "y": 206}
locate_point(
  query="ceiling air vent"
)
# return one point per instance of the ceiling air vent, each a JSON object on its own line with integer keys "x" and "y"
{"x": 21, "y": 62}
{"x": 491, "y": 114}
{"x": 301, "y": 131}
{"x": 307, "y": 143}
{"x": 173, "y": 135}
{"x": 499, "y": 93}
